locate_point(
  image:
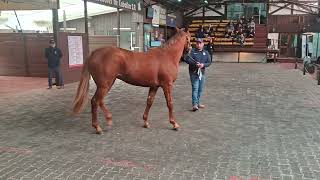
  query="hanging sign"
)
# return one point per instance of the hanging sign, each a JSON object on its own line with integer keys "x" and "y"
{"x": 133, "y": 5}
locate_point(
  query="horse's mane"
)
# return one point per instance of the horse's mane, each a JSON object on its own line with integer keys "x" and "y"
{"x": 173, "y": 39}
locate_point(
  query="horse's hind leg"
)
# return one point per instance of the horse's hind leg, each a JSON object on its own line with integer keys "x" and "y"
{"x": 96, "y": 101}
{"x": 94, "y": 111}
{"x": 152, "y": 93}
{"x": 168, "y": 94}
{"x": 107, "y": 113}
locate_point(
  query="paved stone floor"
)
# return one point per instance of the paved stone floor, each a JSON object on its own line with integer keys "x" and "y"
{"x": 12, "y": 84}
{"x": 262, "y": 122}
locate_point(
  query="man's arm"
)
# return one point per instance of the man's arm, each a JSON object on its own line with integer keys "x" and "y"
{"x": 188, "y": 60}
{"x": 59, "y": 53}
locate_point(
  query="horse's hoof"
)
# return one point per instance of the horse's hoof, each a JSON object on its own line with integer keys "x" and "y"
{"x": 146, "y": 126}
{"x": 176, "y": 127}
{"x": 109, "y": 123}
{"x": 99, "y": 132}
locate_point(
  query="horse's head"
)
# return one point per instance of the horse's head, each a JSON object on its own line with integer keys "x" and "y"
{"x": 186, "y": 34}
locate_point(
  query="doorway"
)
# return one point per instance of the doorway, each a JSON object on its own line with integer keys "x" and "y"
{"x": 288, "y": 44}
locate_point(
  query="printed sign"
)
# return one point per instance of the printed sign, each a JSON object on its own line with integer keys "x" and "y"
{"x": 134, "y": 5}
{"x": 75, "y": 51}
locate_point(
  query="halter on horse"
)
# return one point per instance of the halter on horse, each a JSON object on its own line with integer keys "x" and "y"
{"x": 156, "y": 68}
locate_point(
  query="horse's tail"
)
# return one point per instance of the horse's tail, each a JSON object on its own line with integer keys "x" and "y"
{"x": 83, "y": 90}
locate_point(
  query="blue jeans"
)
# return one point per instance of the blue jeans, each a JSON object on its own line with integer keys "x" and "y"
{"x": 58, "y": 76}
{"x": 197, "y": 87}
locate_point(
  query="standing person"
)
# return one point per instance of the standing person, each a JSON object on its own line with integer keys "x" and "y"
{"x": 198, "y": 59}
{"x": 53, "y": 55}
{"x": 210, "y": 47}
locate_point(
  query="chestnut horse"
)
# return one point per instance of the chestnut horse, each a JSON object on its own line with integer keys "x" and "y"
{"x": 156, "y": 68}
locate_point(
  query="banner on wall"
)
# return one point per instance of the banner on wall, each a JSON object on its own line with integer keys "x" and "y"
{"x": 171, "y": 20}
{"x": 28, "y": 5}
{"x": 134, "y": 5}
{"x": 156, "y": 14}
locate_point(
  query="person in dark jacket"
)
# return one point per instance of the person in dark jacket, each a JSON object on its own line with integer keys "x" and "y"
{"x": 198, "y": 60}
{"x": 53, "y": 55}
{"x": 210, "y": 47}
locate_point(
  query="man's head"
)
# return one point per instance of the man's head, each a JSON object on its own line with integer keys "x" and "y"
{"x": 52, "y": 43}
{"x": 199, "y": 44}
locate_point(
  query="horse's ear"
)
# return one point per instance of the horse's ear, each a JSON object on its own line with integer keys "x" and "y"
{"x": 177, "y": 29}
{"x": 185, "y": 30}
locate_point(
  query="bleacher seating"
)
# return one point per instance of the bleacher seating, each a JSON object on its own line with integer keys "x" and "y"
{"x": 220, "y": 26}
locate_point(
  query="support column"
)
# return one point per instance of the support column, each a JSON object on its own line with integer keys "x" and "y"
{"x": 55, "y": 24}
{"x": 319, "y": 7}
{"x": 203, "y": 13}
{"x": 64, "y": 21}
{"x": 118, "y": 27}
{"x": 86, "y": 27}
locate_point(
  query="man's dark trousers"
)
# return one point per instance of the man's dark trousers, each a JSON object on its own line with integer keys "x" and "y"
{"x": 58, "y": 76}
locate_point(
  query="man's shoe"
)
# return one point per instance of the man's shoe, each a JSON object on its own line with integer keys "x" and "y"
{"x": 50, "y": 87}
{"x": 201, "y": 106}
{"x": 195, "y": 108}
{"x": 60, "y": 87}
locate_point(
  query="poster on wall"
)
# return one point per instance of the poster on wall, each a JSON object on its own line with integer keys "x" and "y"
{"x": 163, "y": 16}
{"x": 28, "y": 5}
{"x": 156, "y": 14}
{"x": 171, "y": 20}
{"x": 75, "y": 51}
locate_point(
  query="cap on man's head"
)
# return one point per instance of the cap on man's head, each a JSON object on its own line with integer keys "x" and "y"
{"x": 199, "y": 40}
{"x": 51, "y": 41}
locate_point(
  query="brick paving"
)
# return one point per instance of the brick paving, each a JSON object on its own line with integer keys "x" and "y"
{"x": 261, "y": 122}
{"x": 11, "y": 84}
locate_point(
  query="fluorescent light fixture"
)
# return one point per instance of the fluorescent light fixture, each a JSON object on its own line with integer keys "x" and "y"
{"x": 155, "y": 25}
{"x": 68, "y": 29}
{"x": 121, "y": 29}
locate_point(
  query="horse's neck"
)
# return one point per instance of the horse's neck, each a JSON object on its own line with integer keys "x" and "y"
{"x": 176, "y": 50}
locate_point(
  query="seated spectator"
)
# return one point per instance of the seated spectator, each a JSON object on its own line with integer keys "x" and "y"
{"x": 200, "y": 32}
{"x": 243, "y": 20}
{"x": 233, "y": 35}
{"x": 227, "y": 34}
{"x": 242, "y": 39}
{"x": 251, "y": 33}
{"x": 230, "y": 27}
{"x": 238, "y": 26}
{"x": 252, "y": 24}
{"x": 210, "y": 31}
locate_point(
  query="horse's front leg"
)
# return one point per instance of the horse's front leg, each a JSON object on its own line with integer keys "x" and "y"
{"x": 151, "y": 95}
{"x": 167, "y": 89}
